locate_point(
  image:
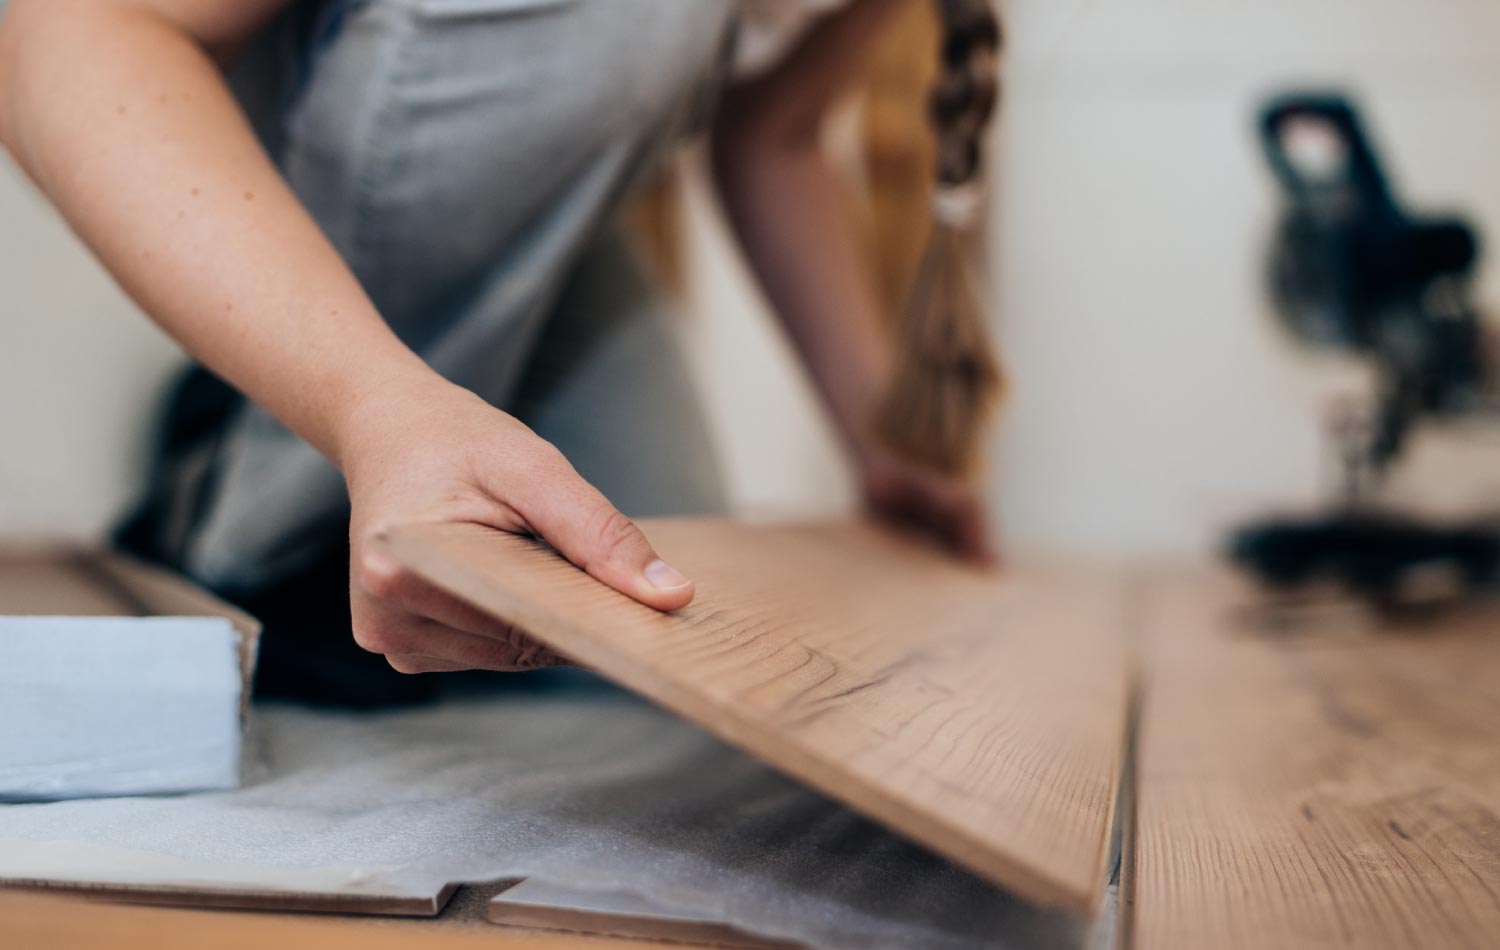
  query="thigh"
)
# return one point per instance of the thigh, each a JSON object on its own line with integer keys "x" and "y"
{"x": 608, "y": 385}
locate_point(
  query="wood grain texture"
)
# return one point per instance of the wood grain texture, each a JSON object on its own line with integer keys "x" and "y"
{"x": 1330, "y": 789}
{"x": 546, "y": 906}
{"x": 46, "y": 922}
{"x": 981, "y": 714}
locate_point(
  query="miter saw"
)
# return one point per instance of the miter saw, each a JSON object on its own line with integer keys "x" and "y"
{"x": 1352, "y": 270}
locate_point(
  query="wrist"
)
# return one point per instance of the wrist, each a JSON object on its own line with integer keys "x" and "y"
{"x": 386, "y": 406}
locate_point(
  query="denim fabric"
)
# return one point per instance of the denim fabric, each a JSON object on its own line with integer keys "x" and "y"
{"x": 465, "y": 157}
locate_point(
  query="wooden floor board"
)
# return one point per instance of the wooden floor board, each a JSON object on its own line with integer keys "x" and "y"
{"x": 30, "y": 921}
{"x": 1316, "y": 790}
{"x": 547, "y": 906}
{"x": 981, "y": 714}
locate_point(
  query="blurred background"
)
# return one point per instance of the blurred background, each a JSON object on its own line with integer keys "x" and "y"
{"x": 1154, "y": 400}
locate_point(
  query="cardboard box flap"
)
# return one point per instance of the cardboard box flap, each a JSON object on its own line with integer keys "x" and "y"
{"x": 980, "y": 714}
{"x": 76, "y": 581}
{"x": 159, "y": 592}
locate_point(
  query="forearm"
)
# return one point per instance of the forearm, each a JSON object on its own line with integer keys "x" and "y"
{"x": 792, "y": 217}
{"x": 124, "y": 121}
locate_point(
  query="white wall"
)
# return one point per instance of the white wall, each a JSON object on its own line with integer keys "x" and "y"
{"x": 1153, "y": 400}
{"x": 1154, "y": 403}
{"x": 78, "y": 369}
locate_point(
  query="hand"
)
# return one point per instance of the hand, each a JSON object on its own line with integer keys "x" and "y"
{"x": 441, "y": 454}
{"x": 950, "y": 510}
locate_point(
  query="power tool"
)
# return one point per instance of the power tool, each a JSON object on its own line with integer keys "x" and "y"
{"x": 1351, "y": 270}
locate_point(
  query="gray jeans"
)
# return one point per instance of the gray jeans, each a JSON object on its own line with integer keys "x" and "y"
{"x": 466, "y": 157}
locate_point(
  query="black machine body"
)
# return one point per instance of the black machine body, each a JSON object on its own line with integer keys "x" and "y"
{"x": 1353, "y": 270}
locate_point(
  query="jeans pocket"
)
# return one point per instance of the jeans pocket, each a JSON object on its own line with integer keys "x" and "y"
{"x": 461, "y": 9}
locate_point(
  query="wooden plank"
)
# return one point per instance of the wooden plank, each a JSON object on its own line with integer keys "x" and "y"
{"x": 37, "y": 921}
{"x": 979, "y": 713}
{"x": 547, "y": 906}
{"x": 1339, "y": 789}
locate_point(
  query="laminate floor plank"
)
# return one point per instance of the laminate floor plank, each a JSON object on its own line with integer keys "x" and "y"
{"x": 1325, "y": 789}
{"x": 979, "y": 713}
{"x": 547, "y": 906}
{"x": 30, "y": 921}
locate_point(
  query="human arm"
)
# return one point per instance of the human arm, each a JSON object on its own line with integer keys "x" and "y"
{"x": 117, "y": 109}
{"x": 789, "y": 209}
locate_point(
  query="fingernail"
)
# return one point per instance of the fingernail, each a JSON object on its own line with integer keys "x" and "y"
{"x": 664, "y": 576}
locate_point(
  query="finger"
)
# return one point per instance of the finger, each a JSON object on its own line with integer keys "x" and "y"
{"x": 437, "y": 649}
{"x": 416, "y": 645}
{"x": 418, "y": 614}
{"x": 388, "y": 582}
{"x": 950, "y": 514}
{"x": 581, "y": 523}
{"x": 968, "y": 531}
{"x": 511, "y": 653}
{"x": 414, "y": 663}
{"x": 957, "y": 514}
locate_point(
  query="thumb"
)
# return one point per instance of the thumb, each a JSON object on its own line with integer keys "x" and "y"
{"x": 574, "y": 517}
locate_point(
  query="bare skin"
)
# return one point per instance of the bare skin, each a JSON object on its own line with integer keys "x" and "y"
{"x": 788, "y": 208}
{"x": 118, "y": 110}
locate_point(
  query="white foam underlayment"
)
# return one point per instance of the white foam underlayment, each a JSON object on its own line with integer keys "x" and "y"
{"x": 594, "y": 790}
